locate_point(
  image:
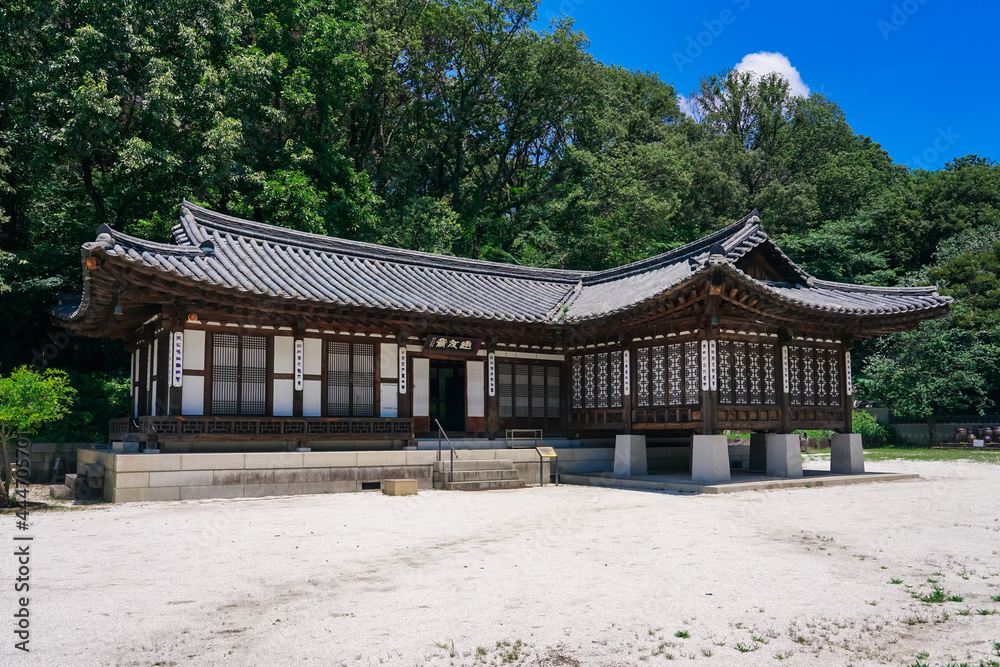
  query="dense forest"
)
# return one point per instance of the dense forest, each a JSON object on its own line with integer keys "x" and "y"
{"x": 453, "y": 126}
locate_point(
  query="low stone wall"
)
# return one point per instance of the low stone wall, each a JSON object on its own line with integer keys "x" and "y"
{"x": 145, "y": 477}
{"x": 43, "y": 454}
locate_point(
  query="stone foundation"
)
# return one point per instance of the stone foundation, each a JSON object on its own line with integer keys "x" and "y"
{"x": 146, "y": 477}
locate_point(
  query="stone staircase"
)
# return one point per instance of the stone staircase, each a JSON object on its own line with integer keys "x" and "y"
{"x": 476, "y": 475}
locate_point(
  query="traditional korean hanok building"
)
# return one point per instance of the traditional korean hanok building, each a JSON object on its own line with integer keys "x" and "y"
{"x": 246, "y": 336}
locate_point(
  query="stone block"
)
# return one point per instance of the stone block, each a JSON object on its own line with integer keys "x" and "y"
{"x": 273, "y": 460}
{"x": 227, "y": 477}
{"x": 847, "y": 455}
{"x": 261, "y": 490}
{"x": 256, "y": 477}
{"x": 329, "y": 459}
{"x": 61, "y": 492}
{"x": 709, "y": 459}
{"x": 423, "y": 457}
{"x": 142, "y": 463}
{"x": 181, "y": 478}
{"x": 399, "y": 487}
{"x": 129, "y": 480}
{"x": 630, "y": 455}
{"x": 146, "y": 495}
{"x": 384, "y": 458}
{"x": 212, "y": 461}
{"x": 329, "y": 487}
{"x": 784, "y": 458}
{"x": 203, "y": 492}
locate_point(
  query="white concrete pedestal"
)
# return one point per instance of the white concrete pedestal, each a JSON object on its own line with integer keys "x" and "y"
{"x": 846, "y": 454}
{"x": 709, "y": 459}
{"x": 784, "y": 455}
{"x": 630, "y": 455}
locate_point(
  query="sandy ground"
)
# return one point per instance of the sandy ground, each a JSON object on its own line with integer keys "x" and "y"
{"x": 552, "y": 576}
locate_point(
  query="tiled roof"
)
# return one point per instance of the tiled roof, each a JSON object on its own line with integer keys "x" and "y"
{"x": 230, "y": 253}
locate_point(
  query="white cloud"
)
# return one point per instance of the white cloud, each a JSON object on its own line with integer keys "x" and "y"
{"x": 765, "y": 62}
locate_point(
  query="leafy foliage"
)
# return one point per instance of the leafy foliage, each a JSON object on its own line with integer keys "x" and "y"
{"x": 29, "y": 399}
{"x": 445, "y": 126}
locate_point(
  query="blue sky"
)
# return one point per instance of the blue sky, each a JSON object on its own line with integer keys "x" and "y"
{"x": 918, "y": 76}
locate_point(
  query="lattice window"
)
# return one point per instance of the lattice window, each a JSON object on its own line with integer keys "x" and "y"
{"x": 552, "y": 391}
{"x": 770, "y": 390}
{"x": 338, "y": 379}
{"x": 822, "y": 383}
{"x": 239, "y": 374}
{"x": 808, "y": 377}
{"x": 834, "y": 369}
{"x": 225, "y": 374}
{"x": 602, "y": 380}
{"x": 794, "y": 380}
{"x": 753, "y": 357}
{"x": 521, "y": 389}
{"x": 537, "y": 391}
{"x": 505, "y": 389}
{"x": 588, "y": 374}
{"x": 675, "y": 375}
{"x": 740, "y": 396}
{"x": 615, "y": 383}
{"x": 724, "y": 363}
{"x": 253, "y": 375}
{"x": 577, "y": 382}
{"x": 659, "y": 389}
{"x": 363, "y": 379}
{"x": 692, "y": 372}
{"x": 642, "y": 377}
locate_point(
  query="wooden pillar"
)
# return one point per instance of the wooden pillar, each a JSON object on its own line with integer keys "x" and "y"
{"x": 628, "y": 370}
{"x": 846, "y": 401}
{"x": 298, "y": 334}
{"x": 492, "y": 402}
{"x": 171, "y": 324}
{"x": 405, "y": 405}
{"x": 784, "y": 400}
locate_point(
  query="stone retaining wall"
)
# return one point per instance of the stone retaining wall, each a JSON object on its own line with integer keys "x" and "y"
{"x": 43, "y": 455}
{"x": 145, "y": 477}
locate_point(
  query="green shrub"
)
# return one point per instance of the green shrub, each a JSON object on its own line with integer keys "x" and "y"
{"x": 874, "y": 433}
{"x": 99, "y": 398}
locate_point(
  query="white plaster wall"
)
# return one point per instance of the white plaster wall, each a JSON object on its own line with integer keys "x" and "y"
{"x": 284, "y": 390}
{"x": 192, "y": 393}
{"x": 312, "y": 356}
{"x": 475, "y": 401}
{"x": 284, "y": 354}
{"x": 194, "y": 351}
{"x": 421, "y": 387}
{"x": 389, "y": 360}
{"x": 389, "y": 405}
{"x": 311, "y": 398}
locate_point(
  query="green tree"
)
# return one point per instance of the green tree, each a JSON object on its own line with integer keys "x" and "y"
{"x": 934, "y": 370}
{"x": 29, "y": 399}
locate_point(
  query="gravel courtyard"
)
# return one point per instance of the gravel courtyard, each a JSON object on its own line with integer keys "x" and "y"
{"x": 551, "y": 576}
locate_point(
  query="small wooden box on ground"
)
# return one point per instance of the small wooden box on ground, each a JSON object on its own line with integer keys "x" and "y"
{"x": 399, "y": 487}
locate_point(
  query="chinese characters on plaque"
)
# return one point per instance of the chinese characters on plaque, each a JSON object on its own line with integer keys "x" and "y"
{"x": 452, "y": 345}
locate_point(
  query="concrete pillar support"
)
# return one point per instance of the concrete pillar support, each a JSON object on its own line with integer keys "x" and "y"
{"x": 784, "y": 456}
{"x": 630, "y": 455}
{"x": 846, "y": 454}
{"x": 709, "y": 459}
{"x": 758, "y": 452}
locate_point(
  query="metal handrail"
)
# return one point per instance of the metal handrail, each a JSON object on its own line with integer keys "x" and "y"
{"x": 451, "y": 475}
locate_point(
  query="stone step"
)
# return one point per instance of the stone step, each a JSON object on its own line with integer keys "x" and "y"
{"x": 70, "y": 480}
{"x": 61, "y": 492}
{"x": 481, "y": 485}
{"x": 475, "y": 475}
{"x": 489, "y": 464}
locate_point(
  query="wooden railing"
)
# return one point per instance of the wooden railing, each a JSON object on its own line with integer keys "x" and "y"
{"x": 262, "y": 428}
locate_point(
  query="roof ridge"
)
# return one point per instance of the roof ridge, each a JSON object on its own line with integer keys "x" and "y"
{"x": 749, "y": 222}
{"x": 193, "y": 215}
{"x": 137, "y": 243}
{"x": 854, "y": 287}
